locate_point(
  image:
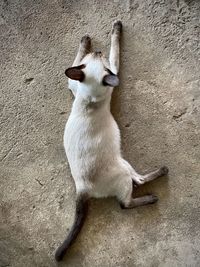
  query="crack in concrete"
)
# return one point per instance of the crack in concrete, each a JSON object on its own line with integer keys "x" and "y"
{"x": 39, "y": 182}
{"x": 179, "y": 115}
{"x": 8, "y": 152}
{"x": 28, "y": 80}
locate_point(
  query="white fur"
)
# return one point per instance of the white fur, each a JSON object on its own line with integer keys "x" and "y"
{"x": 92, "y": 137}
{"x": 92, "y": 145}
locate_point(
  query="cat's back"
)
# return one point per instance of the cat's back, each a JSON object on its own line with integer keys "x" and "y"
{"x": 91, "y": 139}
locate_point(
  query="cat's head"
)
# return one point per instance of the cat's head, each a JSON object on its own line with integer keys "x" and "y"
{"x": 93, "y": 76}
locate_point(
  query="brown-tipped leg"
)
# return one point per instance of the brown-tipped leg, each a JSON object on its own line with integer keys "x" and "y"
{"x": 114, "y": 48}
{"x": 140, "y": 201}
{"x": 84, "y": 48}
{"x": 156, "y": 174}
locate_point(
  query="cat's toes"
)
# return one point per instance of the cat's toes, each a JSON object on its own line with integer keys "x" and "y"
{"x": 152, "y": 199}
{"x": 86, "y": 41}
{"x": 117, "y": 26}
{"x": 164, "y": 170}
{"x": 138, "y": 181}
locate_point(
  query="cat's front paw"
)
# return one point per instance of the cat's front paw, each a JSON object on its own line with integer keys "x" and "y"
{"x": 117, "y": 26}
{"x": 164, "y": 170}
{"x": 86, "y": 42}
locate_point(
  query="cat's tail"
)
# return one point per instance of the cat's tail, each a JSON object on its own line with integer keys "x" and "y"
{"x": 80, "y": 215}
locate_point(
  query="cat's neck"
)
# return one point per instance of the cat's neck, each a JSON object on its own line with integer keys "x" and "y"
{"x": 90, "y": 105}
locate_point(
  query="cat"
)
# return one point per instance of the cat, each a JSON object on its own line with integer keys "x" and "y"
{"x": 92, "y": 137}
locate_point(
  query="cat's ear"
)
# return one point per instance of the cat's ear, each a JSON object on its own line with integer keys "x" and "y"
{"x": 76, "y": 73}
{"x": 111, "y": 80}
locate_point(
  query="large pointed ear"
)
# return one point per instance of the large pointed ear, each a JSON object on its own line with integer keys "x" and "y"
{"x": 111, "y": 80}
{"x": 76, "y": 73}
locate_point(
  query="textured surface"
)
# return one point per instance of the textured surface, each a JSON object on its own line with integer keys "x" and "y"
{"x": 158, "y": 110}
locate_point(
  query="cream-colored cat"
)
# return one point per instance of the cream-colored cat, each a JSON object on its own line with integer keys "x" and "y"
{"x": 92, "y": 137}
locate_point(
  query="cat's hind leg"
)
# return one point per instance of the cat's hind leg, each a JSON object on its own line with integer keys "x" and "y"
{"x": 141, "y": 179}
{"x": 125, "y": 198}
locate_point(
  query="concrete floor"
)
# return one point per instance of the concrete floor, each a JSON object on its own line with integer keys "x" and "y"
{"x": 158, "y": 110}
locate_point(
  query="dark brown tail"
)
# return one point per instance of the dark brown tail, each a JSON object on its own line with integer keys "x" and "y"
{"x": 81, "y": 212}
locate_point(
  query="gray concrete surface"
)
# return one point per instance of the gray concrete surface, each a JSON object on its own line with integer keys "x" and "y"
{"x": 157, "y": 107}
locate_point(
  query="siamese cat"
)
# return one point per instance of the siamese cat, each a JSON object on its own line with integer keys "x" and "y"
{"x": 92, "y": 136}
